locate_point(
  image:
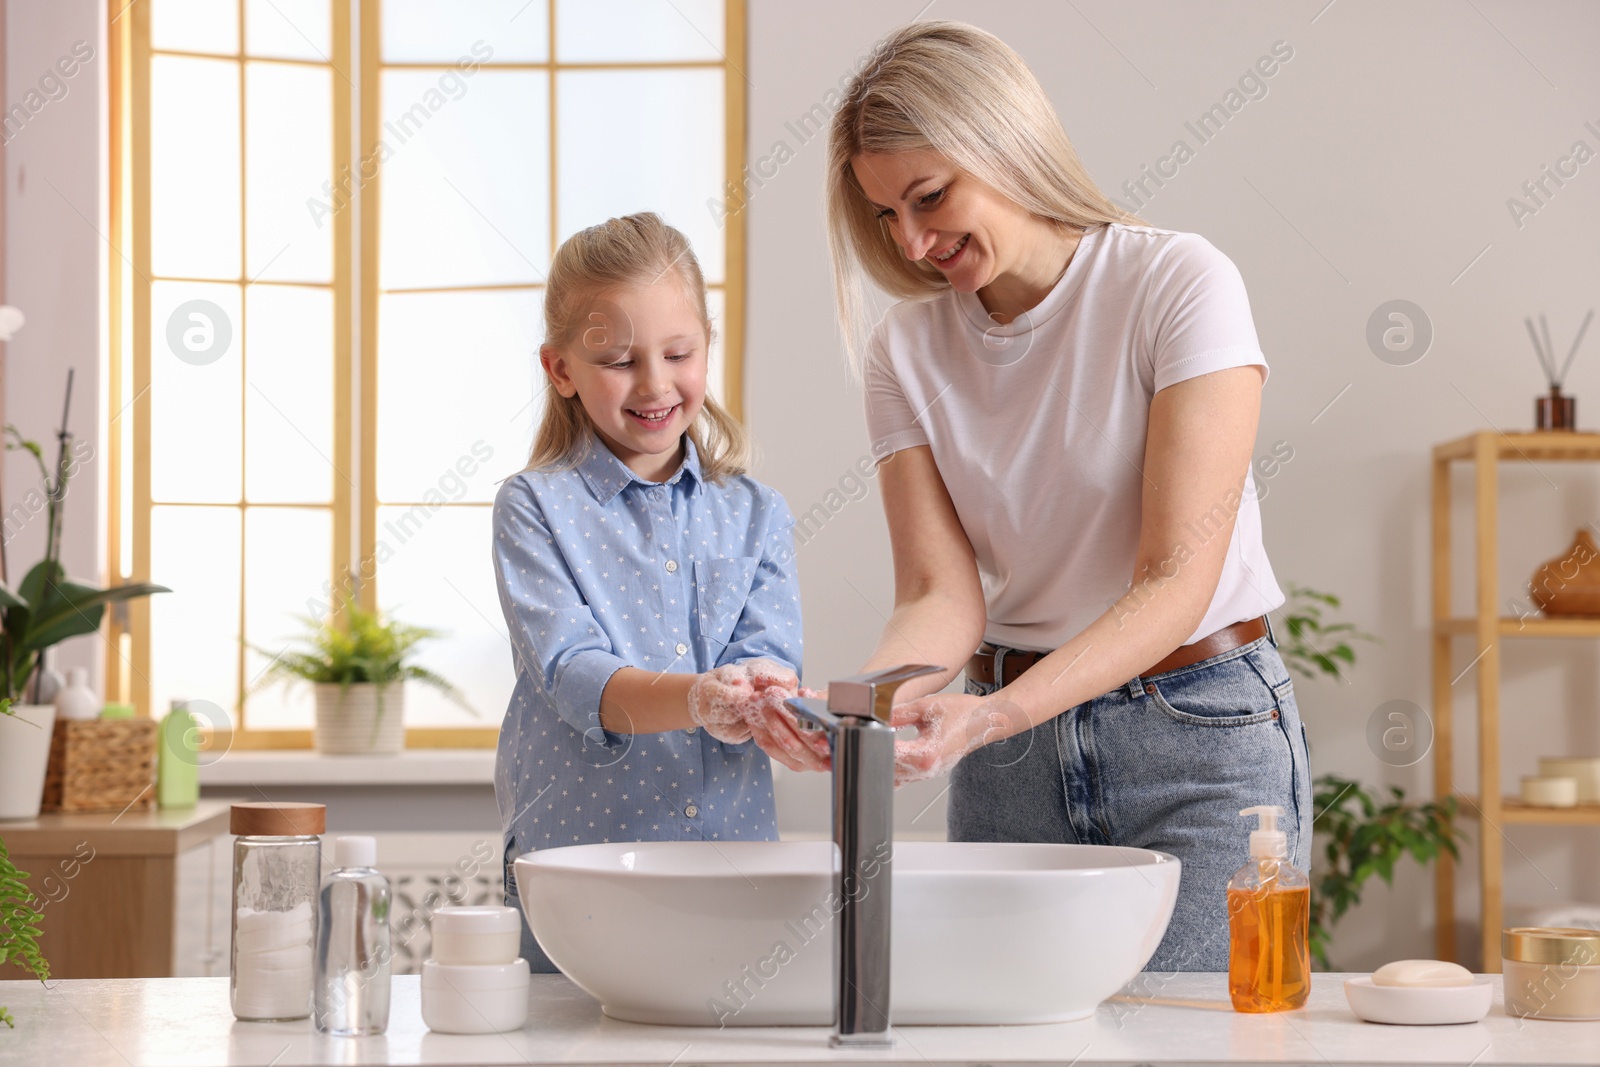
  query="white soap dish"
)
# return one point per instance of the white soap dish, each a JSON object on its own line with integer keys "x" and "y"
{"x": 1419, "y": 1005}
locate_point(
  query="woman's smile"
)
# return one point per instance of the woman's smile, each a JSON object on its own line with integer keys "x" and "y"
{"x": 947, "y": 258}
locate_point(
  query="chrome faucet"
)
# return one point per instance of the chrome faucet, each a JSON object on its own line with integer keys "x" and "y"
{"x": 856, "y": 716}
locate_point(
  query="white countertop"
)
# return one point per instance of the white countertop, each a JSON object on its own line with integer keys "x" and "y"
{"x": 411, "y": 767}
{"x": 176, "y": 1022}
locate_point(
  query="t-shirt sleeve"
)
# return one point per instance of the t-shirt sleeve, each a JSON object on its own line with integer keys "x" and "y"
{"x": 1199, "y": 315}
{"x": 891, "y": 420}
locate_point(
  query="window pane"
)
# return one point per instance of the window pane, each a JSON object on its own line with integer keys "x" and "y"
{"x": 289, "y": 153}
{"x": 288, "y": 29}
{"x": 195, "y": 26}
{"x": 194, "y": 630}
{"x": 288, "y": 572}
{"x": 288, "y": 395}
{"x": 643, "y": 140}
{"x": 716, "y": 303}
{"x": 428, "y": 31}
{"x": 458, "y": 382}
{"x": 440, "y": 577}
{"x": 194, "y": 167}
{"x": 466, "y": 185}
{"x": 194, "y": 392}
{"x": 609, "y": 31}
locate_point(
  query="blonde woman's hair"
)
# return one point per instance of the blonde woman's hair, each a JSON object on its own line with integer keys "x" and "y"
{"x": 633, "y": 251}
{"x": 964, "y": 93}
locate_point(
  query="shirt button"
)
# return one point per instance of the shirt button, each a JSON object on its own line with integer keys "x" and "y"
{"x": 691, "y": 811}
{"x": 692, "y": 729}
{"x": 672, "y": 566}
{"x": 681, "y": 648}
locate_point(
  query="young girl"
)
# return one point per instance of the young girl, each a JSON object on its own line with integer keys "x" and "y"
{"x": 647, "y": 583}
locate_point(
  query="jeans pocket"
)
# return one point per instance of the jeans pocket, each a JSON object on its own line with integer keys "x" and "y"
{"x": 1229, "y": 693}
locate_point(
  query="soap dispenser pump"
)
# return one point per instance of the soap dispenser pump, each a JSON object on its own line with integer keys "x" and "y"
{"x": 1269, "y": 920}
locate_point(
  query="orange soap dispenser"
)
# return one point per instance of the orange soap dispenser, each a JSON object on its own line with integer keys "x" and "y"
{"x": 1269, "y": 917}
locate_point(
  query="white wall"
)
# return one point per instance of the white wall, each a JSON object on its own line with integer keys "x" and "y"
{"x": 55, "y": 206}
{"x": 1376, "y": 167}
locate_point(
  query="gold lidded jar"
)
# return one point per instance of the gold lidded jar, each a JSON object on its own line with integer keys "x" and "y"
{"x": 1551, "y": 972}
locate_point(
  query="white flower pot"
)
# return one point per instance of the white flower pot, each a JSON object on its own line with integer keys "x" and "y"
{"x": 24, "y": 755}
{"x": 349, "y": 722}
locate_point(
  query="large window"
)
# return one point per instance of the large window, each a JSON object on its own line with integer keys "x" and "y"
{"x": 333, "y": 232}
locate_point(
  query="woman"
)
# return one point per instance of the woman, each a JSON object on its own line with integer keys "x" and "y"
{"x": 1067, "y": 400}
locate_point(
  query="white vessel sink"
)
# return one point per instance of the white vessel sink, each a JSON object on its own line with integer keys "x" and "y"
{"x": 699, "y": 933}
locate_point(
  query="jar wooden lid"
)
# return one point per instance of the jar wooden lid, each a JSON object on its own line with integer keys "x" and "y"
{"x": 286, "y": 818}
{"x": 1550, "y": 944}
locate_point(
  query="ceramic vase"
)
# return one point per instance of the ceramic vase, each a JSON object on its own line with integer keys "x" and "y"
{"x": 24, "y": 755}
{"x": 361, "y": 719}
{"x": 1570, "y": 583}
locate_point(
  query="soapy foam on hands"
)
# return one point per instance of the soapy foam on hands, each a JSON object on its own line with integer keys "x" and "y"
{"x": 731, "y": 700}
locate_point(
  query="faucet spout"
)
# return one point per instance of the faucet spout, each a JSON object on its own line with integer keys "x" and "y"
{"x": 856, "y": 716}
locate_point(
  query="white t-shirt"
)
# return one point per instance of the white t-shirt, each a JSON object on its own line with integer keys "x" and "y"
{"x": 1038, "y": 426}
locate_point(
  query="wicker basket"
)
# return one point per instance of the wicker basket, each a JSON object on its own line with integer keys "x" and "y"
{"x": 101, "y": 765}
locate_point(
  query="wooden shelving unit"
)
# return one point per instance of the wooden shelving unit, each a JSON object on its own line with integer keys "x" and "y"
{"x": 1486, "y": 450}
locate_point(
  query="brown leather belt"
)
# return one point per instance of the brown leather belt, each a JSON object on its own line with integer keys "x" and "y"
{"x": 1013, "y": 662}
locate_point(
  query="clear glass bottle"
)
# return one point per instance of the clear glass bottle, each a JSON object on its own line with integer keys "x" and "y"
{"x": 351, "y": 985}
{"x": 1269, "y": 923}
{"x": 277, "y": 863}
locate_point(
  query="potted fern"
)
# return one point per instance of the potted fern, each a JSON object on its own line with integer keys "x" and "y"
{"x": 19, "y": 914}
{"x": 1362, "y": 834}
{"x": 358, "y": 663}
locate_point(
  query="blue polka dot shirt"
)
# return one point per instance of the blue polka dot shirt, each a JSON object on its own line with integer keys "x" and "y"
{"x": 597, "y": 570}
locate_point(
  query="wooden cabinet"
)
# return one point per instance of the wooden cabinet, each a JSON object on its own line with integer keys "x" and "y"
{"x": 138, "y": 895}
{"x": 1488, "y": 628}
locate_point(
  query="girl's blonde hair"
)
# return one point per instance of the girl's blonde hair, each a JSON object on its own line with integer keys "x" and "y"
{"x": 964, "y": 93}
{"x": 635, "y": 250}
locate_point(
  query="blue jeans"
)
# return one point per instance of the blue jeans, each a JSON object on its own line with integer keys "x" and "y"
{"x": 1163, "y": 762}
{"x": 538, "y": 962}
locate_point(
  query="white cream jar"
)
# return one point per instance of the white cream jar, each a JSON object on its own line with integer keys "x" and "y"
{"x": 473, "y": 934}
{"x": 476, "y": 999}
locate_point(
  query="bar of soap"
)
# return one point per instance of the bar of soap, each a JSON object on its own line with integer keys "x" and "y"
{"x": 1430, "y": 974}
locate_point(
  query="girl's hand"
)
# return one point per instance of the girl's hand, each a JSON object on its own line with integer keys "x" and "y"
{"x": 949, "y": 726}
{"x": 744, "y": 701}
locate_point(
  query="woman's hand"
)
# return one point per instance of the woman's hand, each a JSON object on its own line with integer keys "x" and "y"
{"x": 949, "y": 726}
{"x": 744, "y": 701}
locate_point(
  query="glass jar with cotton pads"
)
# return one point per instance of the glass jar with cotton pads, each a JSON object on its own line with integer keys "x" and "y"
{"x": 1549, "y": 792}
{"x": 1551, "y": 972}
{"x": 1420, "y": 993}
{"x": 277, "y": 869}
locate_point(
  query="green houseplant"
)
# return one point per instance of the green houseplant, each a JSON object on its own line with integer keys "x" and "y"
{"x": 357, "y": 662}
{"x": 19, "y": 915}
{"x": 1362, "y": 834}
{"x": 46, "y": 609}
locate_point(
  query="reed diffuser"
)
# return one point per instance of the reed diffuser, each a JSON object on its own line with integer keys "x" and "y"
{"x": 1556, "y": 411}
